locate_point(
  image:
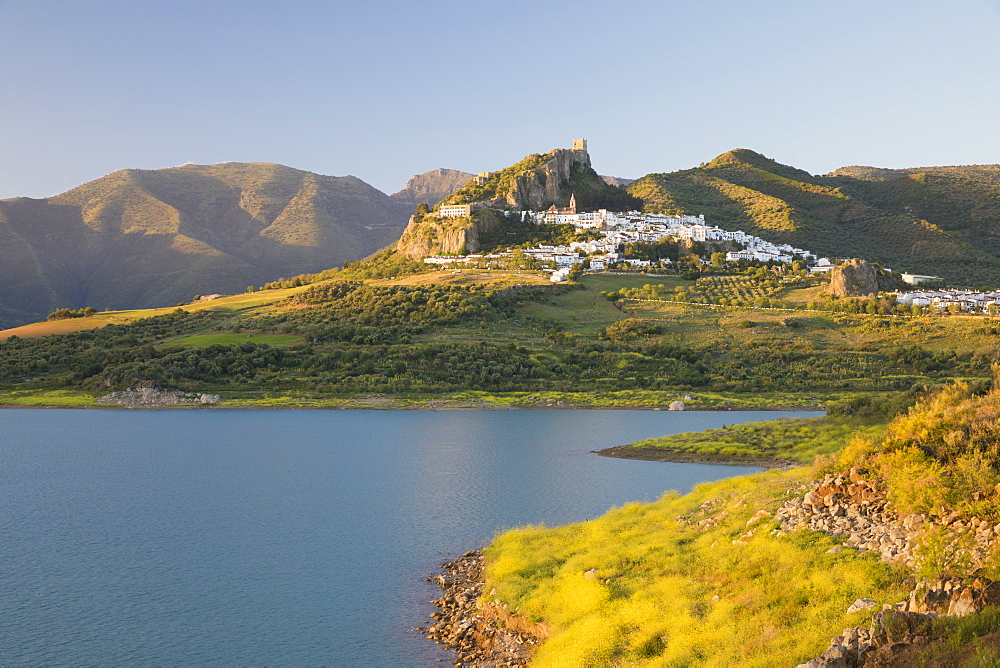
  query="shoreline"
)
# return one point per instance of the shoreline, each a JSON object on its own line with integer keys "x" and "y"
{"x": 650, "y": 454}
{"x": 425, "y": 406}
{"x": 480, "y": 634}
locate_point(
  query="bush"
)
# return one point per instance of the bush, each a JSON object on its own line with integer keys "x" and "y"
{"x": 629, "y": 329}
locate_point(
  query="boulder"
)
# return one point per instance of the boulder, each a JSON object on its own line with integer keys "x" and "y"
{"x": 853, "y": 278}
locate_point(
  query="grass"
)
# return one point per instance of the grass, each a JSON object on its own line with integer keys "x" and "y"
{"x": 668, "y": 591}
{"x": 225, "y": 306}
{"x": 500, "y": 279}
{"x": 799, "y": 439}
{"x": 49, "y": 398}
{"x": 586, "y": 312}
{"x": 205, "y": 340}
{"x": 612, "y": 282}
{"x": 704, "y": 579}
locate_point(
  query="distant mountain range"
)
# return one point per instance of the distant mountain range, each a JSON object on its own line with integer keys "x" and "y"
{"x": 143, "y": 238}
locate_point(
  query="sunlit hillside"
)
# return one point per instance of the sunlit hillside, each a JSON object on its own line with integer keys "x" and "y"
{"x": 144, "y": 238}
{"x": 933, "y": 224}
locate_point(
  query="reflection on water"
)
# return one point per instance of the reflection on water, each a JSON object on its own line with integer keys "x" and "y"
{"x": 283, "y": 536}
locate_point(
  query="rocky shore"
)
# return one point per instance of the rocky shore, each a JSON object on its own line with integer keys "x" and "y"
{"x": 482, "y": 634}
{"x": 151, "y": 396}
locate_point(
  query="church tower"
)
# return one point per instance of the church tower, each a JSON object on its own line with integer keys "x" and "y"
{"x": 572, "y": 203}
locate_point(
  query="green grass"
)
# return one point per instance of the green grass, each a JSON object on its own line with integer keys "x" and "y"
{"x": 669, "y": 592}
{"x": 586, "y": 312}
{"x": 612, "y": 282}
{"x": 205, "y": 340}
{"x": 64, "y": 398}
{"x": 799, "y": 439}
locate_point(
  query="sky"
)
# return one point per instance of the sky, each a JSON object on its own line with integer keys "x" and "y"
{"x": 385, "y": 89}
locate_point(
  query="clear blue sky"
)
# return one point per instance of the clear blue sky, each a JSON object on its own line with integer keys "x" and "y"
{"x": 385, "y": 89}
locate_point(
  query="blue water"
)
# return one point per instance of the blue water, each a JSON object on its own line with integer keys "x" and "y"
{"x": 283, "y": 537}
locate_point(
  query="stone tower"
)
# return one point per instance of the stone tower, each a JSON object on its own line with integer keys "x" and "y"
{"x": 579, "y": 144}
{"x": 572, "y": 203}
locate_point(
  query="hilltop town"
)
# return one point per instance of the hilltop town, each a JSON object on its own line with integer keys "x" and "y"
{"x": 609, "y": 240}
{"x": 605, "y": 235}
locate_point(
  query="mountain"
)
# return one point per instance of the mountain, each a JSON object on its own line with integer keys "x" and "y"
{"x": 941, "y": 221}
{"x": 432, "y": 187}
{"x": 142, "y": 238}
{"x": 542, "y": 180}
{"x": 535, "y": 183}
{"x": 963, "y": 200}
{"x": 617, "y": 181}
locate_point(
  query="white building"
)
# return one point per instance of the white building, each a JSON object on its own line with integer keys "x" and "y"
{"x": 917, "y": 279}
{"x": 455, "y": 210}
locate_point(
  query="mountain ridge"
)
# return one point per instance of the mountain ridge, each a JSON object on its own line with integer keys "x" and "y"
{"x": 141, "y": 237}
{"x": 137, "y": 238}
{"x": 833, "y": 215}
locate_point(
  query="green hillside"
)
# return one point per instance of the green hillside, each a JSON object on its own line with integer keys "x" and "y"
{"x": 925, "y": 224}
{"x": 501, "y": 338}
{"x": 144, "y": 238}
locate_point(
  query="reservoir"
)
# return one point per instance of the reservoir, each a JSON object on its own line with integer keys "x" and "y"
{"x": 285, "y": 537}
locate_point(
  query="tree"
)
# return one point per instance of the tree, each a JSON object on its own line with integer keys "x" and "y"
{"x": 251, "y": 289}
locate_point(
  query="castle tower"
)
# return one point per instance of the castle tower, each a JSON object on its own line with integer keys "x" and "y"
{"x": 579, "y": 144}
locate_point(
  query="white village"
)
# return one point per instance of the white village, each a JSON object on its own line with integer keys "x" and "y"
{"x": 609, "y": 235}
{"x": 616, "y": 230}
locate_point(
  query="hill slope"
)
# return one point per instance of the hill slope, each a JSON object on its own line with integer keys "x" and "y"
{"x": 432, "y": 187}
{"x": 142, "y": 238}
{"x": 900, "y": 221}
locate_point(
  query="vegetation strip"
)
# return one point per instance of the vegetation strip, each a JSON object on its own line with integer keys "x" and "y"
{"x": 653, "y": 454}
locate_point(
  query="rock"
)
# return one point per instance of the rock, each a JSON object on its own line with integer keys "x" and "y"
{"x": 676, "y": 406}
{"x": 853, "y": 278}
{"x": 758, "y": 516}
{"x": 861, "y": 604}
{"x": 149, "y": 395}
{"x": 964, "y": 602}
{"x": 893, "y": 626}
{"x": 591, "y": 574}
{"x": 471, "y": 628}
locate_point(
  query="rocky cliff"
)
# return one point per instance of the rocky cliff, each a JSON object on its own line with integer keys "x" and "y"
{"x": 535, "y": 183}
{"x": 539, "y": 188}
{"x": 431, "y": 235}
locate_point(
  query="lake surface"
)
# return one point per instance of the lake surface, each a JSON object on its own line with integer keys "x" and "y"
{"x": 284, "y": 537}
